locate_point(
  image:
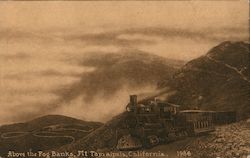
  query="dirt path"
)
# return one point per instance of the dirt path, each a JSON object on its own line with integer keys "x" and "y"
{"x": 76, "y": 130}
{"x": 38, "y": 134}
{"x": 9, "y": 135}
{"x": 242, "y": 76}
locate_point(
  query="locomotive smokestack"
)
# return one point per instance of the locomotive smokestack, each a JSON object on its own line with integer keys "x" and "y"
{"x": 133, "y": 102}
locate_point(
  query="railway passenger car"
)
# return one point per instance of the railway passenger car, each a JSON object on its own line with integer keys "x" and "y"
{"x": 223, "y": 117}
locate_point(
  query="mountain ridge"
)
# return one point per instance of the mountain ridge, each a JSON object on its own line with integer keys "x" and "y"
{"x": 218, "y": 80}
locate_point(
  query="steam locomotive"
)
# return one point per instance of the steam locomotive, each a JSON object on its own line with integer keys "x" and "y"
{"x": 150, "y": 122}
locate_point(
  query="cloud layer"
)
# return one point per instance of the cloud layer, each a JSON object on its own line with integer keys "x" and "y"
{"x": 81, "y": 57}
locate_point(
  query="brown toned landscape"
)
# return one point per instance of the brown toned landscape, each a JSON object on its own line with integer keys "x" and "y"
{"x": 94, "y": 76}
{"x": 225, "y": 70}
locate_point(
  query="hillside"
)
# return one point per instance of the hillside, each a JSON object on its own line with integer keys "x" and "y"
{"x": 218, "y": 80}
{"x": 43, "y": 133}
{"x": 100, "y": 139}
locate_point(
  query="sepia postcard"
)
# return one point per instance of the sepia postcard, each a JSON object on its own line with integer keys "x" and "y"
{"x": 124, "y": 79}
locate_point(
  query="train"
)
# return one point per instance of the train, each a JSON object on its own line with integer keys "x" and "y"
{"x": 152, "y": 121}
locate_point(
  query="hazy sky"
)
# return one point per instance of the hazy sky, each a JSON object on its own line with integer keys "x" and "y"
{"x": 110, "y": 15}
{"x": 37, "y": 39}
{"x": 203, "y": 23}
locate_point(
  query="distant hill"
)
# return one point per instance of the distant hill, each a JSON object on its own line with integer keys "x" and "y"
{"x": 218, "y": 80}
{"x": 45, "y": 121}
{"x": 43, "y": 133}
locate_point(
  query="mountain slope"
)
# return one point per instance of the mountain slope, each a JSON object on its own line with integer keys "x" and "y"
{"x": 43, "y": 133}
{"x": 217, "y": 81}
{"x": 101, "y": 139}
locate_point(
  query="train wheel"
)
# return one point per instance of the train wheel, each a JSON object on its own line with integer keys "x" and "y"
{"x": 128, "y": 142}
{"x": 153, "y": 140}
